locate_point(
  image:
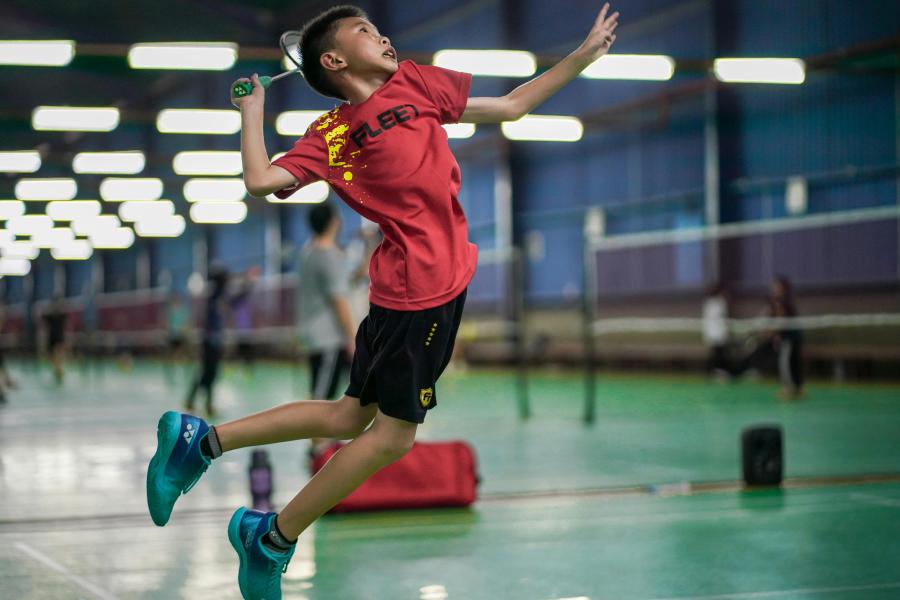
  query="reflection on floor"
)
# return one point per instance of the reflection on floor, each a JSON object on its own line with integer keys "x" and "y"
{"x": 73, "y": 522}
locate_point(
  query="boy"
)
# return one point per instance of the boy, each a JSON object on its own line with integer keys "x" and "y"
{"x": 384, "y": 152}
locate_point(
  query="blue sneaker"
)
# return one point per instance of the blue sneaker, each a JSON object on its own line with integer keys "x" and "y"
{"x": 260, "y": 572}
{"x": 177, "y": 464}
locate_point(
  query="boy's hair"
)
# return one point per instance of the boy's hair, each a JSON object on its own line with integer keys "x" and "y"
{"x": 320, "y": 217}
{"x": 316, "y": 38}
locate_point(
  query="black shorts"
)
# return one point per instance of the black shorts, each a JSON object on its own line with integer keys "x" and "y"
{"x": 400, "y": 355}
{"x": 325, "y": 371}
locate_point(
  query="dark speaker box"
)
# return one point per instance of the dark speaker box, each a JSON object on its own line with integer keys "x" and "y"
{"x": 762, "y": 455}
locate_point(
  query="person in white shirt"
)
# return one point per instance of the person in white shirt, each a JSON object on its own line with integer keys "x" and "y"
{"x": 715, "y": 331}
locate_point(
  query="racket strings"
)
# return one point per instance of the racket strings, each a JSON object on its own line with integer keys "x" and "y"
{"x": 290, "y": 45}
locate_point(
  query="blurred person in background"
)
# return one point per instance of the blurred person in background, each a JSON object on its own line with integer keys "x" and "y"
{"x": 90, "y": 339}
{"x": 213, "y": 342}
{"x": 782, "y": 345}
{"x": 242, "y": 317}
{"x": 715, "y": 332}
{"x": 326, "y": 326}
{"x": 359, "y": 255}
{"x": 178, "y": 317}
{"x": 54, "y": 321}
{"x": 6, "y": 381}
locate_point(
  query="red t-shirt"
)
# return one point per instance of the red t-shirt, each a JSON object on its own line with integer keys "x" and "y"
{"x": 389, "y": 160}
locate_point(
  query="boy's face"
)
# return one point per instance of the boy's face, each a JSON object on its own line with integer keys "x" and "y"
{"x": 363, "y": 48}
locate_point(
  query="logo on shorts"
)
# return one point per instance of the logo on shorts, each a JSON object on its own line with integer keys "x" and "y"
{"x": 425, "y": 396}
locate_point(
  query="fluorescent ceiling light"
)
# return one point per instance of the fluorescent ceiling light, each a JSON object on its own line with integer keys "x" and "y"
{"x": 760, "y": 70}
{"x": 460, "y": 131}
{"x": 648, "y": 67}
{"x": 313, "y": 193}
{"x": 117, "y": 189}
{"x": 37, "y": 53}
{"x": 71, "y": 210}
{"x": 296, "y": 122}
{"x": 20, "y": 249}
{"x": 146, "y": 210}
{"x": 20, "y": 161}
{"x": 497, "y": 63}
{"x": 74, "y": 118}
{"x": 29, "y": 224}
{"x": 218, "y": 212}
{"x": 16, "y": 267}
{"x": 116, "y": 163}
{"x": 199, "y": 56}
{"x": 74, "y": 250}
{"x": 214, "y": 190}
{"x": 112, "y": 239}
{"x": 208, "y": 163}
{"x": 189, "y": 120}
{"x": 91, "y": 225}
{"x": 46, "y": 189}
{"x": 171, "y": 226}
{"x": 53, "y": 238}
{"x": 543, "y": 128}
{"x": 11, "y": 208}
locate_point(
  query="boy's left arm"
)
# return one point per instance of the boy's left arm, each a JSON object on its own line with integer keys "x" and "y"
{"x": 532, "y": 94}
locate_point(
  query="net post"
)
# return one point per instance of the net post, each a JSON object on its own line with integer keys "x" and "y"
{"x": 594, "y": 226}
{"x": 517, "y": 293}
{"x": 588, "y": 318}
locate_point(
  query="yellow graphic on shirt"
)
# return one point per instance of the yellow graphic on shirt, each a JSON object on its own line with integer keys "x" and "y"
{"x": 335, "y": 135}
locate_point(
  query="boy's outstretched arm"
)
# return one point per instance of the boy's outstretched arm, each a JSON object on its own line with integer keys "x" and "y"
{"x": 532, "y": 94}
{"x": 260, "y": 176}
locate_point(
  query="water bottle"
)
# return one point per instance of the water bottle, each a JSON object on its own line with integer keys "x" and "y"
{"x": 261, "y": 480}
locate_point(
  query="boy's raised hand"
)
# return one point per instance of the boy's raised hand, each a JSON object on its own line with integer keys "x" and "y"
{"x": 601, "y": 36}
{"x": 258, "y": 96}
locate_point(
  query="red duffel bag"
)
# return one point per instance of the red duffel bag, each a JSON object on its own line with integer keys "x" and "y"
{"x": 431, "y": 475}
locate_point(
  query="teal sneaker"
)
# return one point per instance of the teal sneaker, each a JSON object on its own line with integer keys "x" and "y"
{"x": 259, "y": 575}
{"x": 177, "y": 464}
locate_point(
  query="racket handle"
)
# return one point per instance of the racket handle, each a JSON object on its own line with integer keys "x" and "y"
{"x": 246, "y": 88}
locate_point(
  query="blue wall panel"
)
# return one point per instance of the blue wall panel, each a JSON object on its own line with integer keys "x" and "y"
{"x": 78, "y": 277}
{"x": 172, "y": 260}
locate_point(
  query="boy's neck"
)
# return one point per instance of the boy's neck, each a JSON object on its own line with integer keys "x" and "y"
{"x": 358, "y": 88}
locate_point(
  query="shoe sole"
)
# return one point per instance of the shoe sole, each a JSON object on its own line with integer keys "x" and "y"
{"x": 166, "y": 437}
{"x": 234, "y": 536}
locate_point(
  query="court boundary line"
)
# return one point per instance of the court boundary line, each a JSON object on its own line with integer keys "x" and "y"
{"x": 658, "y": 490}
{"x": 67, "y": 574}
{"x": 876, "y": 499}
{"x": 703, "y": 487}
{"x": 776, "y": 593}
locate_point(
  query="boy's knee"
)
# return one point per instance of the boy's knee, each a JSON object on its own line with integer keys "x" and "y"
{"x": 351, "y": 419}
{"x": 392, "y": 444}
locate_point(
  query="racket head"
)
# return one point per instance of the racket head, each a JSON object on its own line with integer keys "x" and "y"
{"x": 290, "y": 46}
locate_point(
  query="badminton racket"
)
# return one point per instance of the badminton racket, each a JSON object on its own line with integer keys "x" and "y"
{"x": 290, "y": 45}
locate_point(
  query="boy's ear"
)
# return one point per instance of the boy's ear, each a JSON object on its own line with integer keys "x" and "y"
{"x": 332, "y": 61}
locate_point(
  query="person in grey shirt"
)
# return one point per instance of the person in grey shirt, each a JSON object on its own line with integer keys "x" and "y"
{"x": 327, "y": 330}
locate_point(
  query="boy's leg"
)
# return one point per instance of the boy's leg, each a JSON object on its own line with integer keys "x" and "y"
{"x": 265, "y": 542}
{"x": 179, "y": 460}
{"x": 385, "y": 442}
{"x": 305, "y": 419}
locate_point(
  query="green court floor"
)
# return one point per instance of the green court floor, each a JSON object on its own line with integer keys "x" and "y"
{"x": 557, "y": 516}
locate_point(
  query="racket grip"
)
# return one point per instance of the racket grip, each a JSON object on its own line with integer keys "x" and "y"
{"x": 245, "y": 88}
